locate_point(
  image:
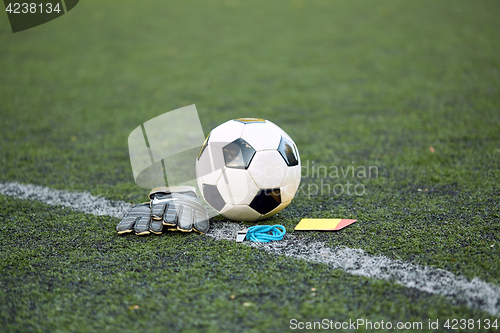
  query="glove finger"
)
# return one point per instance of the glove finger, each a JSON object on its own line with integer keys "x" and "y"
{"x": 156, "y": 226}
{"x": 142, "y": 225}
{"x": 157, "y": 213}
{"x": 126, "y": 225}
{"x": 128, "y": 222}
{"x": 185, "y": 219}
{"x": 170, "y": 216}
{"x": 158, "y": 209}
{"x": 201, "y": 222}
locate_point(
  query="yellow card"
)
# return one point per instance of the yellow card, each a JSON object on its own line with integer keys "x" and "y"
{"x": 323, "y": 224}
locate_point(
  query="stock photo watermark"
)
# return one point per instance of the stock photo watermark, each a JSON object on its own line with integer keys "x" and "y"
{"x": 329, "y": 177}
{"x": 25, "y": 15}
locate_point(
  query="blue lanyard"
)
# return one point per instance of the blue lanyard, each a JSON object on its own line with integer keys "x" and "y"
{"x": 265, "y": 233}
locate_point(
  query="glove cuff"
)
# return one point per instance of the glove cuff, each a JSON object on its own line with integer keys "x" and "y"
{"x": 190, "y": 190}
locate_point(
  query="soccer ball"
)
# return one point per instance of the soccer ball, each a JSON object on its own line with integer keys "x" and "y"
{"x": 248, "y": 169}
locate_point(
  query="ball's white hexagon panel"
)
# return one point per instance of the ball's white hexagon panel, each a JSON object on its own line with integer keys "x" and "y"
{"x": 290, "y": 183}
{"x": 237, "y": 186}
{"x": 261, "y": 136}
{"x": 200, "y": 183}
{"x": 279, "y": 129}
{"x": 275, "y": 210}
{"x": 226, "y": 133}
{"x": 268, "y": 169}
{"x": 210, "y": 165}
{"x": 240, "y": 213}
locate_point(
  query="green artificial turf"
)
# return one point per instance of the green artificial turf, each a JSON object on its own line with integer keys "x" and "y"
{"x": 411, "y": 88}
{"x": 77, "y": 275}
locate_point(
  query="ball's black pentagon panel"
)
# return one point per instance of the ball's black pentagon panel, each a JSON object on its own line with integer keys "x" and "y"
{"x": 238, "y": 154}
{"x": 213, "y": 197}
{"x": 250, "y": 120}
{"x": 288, "y": 151}
{"x": 203, "y": 147}
{"x": 266, "y": 200}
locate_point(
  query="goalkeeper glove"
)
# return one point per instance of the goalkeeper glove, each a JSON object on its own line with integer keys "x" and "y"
{"x": 170, "y": 208}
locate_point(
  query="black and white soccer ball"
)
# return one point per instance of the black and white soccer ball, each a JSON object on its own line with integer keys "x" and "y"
{"x": 248, "y": 169}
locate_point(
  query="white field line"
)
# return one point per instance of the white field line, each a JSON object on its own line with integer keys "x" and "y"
{"x": 474, "y": 293}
